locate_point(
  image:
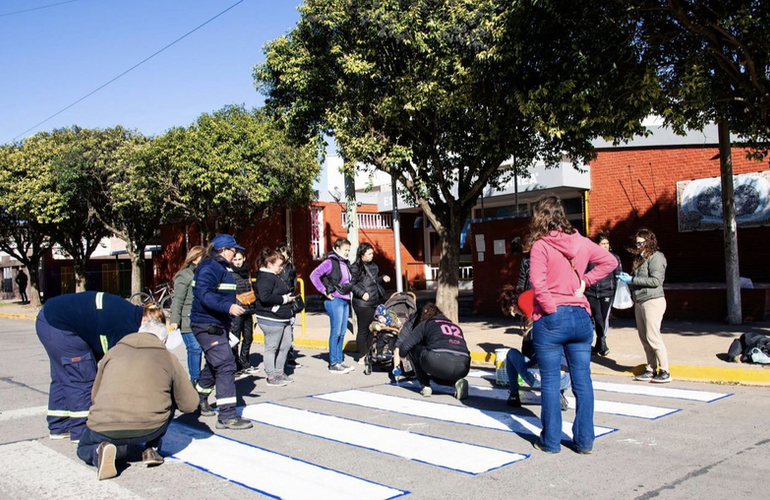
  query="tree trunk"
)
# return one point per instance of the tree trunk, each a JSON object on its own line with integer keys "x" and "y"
{"x": 449, "y": 269}
{"x": 80, "y": 274}
{"x": 34, "y": 283}
{"x": 732, "y": 268}
{"x": 137, "y": 268}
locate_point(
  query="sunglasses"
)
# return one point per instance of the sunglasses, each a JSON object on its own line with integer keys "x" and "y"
{"x": 639, "y": 243}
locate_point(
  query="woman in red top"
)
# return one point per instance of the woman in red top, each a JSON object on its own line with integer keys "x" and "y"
{"x": 562, "y": 318}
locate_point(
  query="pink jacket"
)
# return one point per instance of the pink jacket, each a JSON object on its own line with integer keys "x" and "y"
{"x": 553, "y": 279}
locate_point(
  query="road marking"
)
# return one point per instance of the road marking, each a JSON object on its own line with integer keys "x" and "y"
{"x": 267, "y": 472}
{"x": 455, "y": 455}
{"x": 23, "y": 413}
{"x": 642, "y": 389}
{"x": 32, "y": 470}
{"x": 532, "y": 397}
{"x": 648, "y": 389}
{"x": 504, "y": 421}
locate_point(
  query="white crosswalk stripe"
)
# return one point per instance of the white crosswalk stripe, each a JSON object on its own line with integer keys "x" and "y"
{"x": 463, "y": 457}
{"x": 273, "y": 474}
{"x": 504, "y": 421}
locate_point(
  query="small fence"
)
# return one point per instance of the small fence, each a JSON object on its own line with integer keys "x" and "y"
{"x": 430, "y": 271}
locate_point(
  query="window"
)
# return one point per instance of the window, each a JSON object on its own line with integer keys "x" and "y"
{"x": 317, "y": 233}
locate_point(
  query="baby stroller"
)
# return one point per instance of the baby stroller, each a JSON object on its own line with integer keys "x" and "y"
{"x": 402, "y": 306}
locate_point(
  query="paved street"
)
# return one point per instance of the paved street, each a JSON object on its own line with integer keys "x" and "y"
{"x": 353, "y": 436}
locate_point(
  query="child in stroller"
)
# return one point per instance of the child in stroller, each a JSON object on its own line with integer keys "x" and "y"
{"x": 389, "y": 318}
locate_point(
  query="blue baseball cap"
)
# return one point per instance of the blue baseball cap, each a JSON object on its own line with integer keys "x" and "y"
{"x": 221, "y": 241}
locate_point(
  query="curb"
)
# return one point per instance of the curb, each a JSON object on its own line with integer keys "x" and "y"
{"x": 710, "y": 374}
{"x": 18, "y": 316}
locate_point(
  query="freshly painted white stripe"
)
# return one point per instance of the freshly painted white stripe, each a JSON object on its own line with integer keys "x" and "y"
{"x": 504, "y": 421}
{"x": 661, "y": 392}
{"x": 267, "y": 472}
{"x": 600, "y": 406}
{"x": 32, "y": 470}
{"x": 28, "y": 412}
{"x": 637, "y": 388}
{"x": 463, "y": 457}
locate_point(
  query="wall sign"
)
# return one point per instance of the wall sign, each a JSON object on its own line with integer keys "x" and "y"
{"x": 699, "y": 202}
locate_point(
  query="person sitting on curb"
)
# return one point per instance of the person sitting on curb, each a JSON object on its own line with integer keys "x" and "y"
{"x": 138, "y": 385}
{"x": 437, "y": 350}
{"x": 524, "y": 363}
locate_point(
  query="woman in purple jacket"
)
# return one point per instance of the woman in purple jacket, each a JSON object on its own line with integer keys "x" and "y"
{"x": 332, "y": 279}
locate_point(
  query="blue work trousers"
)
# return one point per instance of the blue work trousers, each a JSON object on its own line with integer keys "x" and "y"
{"x": 73, "y": 371}
{"x": 219, "y": 369}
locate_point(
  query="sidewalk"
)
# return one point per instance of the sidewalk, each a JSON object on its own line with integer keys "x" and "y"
{"x": 697, "y": 351}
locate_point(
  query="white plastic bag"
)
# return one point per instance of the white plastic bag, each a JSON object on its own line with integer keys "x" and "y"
{"x": 622, "y": 299}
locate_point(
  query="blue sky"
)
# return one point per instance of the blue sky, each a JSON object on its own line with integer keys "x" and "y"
{"x": 51, "y": 57}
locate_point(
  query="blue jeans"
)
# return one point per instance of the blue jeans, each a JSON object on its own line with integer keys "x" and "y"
{"x": 338, "y": 311}
{"x": 518, "y": 364}
{"x": 568, "y": 331}
{"x": 194, "y": 353}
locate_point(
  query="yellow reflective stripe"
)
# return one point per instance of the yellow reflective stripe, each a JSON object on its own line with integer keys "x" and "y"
{"x": 204, "y": 390}
{"x": 227, "y": 286}
{"x": 58, "y": 413}
{"x": 226, "y": 401}
{"x": 79, "y": 414}
{"x": 100, "y": 300}
{"x": 105, "y": 343}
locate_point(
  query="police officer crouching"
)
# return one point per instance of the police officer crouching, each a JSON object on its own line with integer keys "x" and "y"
{"x": 213, "y": 307}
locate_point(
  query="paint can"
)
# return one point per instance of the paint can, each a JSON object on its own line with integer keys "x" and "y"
{"x": 501, "y": 373}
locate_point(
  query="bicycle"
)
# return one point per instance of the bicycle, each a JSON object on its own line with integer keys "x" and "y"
{"x": 163, "y": 296}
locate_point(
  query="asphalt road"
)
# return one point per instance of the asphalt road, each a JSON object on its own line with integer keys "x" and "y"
{"x": 698, "y": 449}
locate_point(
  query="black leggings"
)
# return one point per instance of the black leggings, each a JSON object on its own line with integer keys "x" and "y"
{"x": 443, "y": 368}
{"x": 364, "y": 317}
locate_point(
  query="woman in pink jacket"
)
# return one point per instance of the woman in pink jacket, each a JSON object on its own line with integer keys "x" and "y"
{"x": 562, "y": 318}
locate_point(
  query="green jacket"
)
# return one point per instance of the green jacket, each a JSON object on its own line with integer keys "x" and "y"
{"x": 181, "y": 305}
{"x": 648, "y": 278}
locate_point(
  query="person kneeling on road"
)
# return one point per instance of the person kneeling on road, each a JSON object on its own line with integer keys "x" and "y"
{"x": 437, "y": 350}
{"x": 137, "y": 387}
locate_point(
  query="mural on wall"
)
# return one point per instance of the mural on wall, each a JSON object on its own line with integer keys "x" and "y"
{"x": 699, "y": 202}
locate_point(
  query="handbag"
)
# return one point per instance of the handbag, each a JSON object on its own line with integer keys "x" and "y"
{"x": 298, "y": 305}
{"x": 246, "y": 298}
{"x": 622, "y": 298}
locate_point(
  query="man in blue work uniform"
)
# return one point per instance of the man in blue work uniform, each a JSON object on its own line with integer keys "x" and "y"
{"x": 214, "y": 305}
{"x": 76, "y": 330}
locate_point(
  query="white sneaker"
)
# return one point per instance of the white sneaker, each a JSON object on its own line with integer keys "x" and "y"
{"x": 348, "y": 368}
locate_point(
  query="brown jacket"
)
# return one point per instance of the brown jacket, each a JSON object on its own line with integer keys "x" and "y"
{"x": 135, "y": 385}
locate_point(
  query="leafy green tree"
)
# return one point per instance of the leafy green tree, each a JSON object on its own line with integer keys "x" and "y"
{"x": 440, "y": 93}
{"x": 133, "y": 190}
{"x": 713, "y": 59}
{"x": 21, "y": 236}
{"x": 232, "y": 168}
{"x": 57, "y": 189}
